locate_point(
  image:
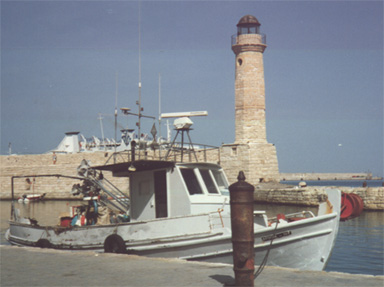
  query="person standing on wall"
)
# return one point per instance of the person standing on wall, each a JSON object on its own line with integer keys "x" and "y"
{"x": 54, "y": 158}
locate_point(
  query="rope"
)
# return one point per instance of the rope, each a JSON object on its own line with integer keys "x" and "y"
{"x": 264, "y": 262}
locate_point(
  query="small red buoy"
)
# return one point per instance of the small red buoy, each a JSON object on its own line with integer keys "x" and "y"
{"x": 351, "y": 206}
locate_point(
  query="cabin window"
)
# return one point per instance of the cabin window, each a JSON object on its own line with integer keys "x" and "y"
{"x": 191, "y": 181}
{"x": 220, "y": 180}
{"x": 208, "y": 181}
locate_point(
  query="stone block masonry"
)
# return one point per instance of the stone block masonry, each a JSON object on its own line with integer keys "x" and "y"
{"x": 59, "y": 188}
{"x": 56, "y": 188}
{"x": 268, "y": 192}
{"x": 373, "y": 197}
{"x": 257, "y": 160}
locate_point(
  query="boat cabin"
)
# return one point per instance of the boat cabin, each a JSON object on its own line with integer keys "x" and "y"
{"x": 161, "y": 189}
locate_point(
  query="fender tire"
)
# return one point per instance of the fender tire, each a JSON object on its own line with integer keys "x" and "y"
{"x": 43, "y": 243}
{"x": 114, "y": 244}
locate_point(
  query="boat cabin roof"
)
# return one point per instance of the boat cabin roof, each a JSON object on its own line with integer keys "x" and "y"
{"x": 126, "y": 168}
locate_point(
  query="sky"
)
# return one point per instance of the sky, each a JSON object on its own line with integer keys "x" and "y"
{"x": 65, "y": 62}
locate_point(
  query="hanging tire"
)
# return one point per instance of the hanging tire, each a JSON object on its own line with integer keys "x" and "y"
{"x": 43, "y": 243}
{"x": 114, "y": 244}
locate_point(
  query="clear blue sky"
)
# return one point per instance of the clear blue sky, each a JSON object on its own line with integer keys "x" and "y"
{"x": 323, "y": 73}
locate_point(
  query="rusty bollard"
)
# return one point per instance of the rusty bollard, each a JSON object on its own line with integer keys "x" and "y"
{"x": 241, "y": 194}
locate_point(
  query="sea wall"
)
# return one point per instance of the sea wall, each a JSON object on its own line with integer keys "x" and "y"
{"x": 324, "y": 176}
{"x": 66, "y": 164}
{"x": 59, "y": 188}
{"x": 373, "y": 197}
{"x": 55, "y": 188}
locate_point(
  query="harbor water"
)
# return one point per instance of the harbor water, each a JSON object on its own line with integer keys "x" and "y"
{"x": 358, "y": 250}
{"x": 359, "y": 247}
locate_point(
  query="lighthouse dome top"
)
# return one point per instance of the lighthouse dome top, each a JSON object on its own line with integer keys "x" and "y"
{"x": 248, "y": 20}
{"x": 248, "y": 24}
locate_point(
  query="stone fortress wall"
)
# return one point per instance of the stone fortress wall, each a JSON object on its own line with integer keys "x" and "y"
{"x": 56, "y": 188}
{"x": 59, "y": 188}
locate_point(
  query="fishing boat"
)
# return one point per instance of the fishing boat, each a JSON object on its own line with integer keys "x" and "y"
{"x": 177, "y": 210}
{"x": 26, "y": 198}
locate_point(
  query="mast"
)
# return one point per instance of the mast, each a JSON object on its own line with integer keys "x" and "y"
{"x": 102, "y": 130}
{"x": 139, "y": 102}
{"x": 117, "y": 92}
{"x": 160, "y": 115}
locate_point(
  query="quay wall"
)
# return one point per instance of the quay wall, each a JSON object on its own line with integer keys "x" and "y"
{"x": 66, "y": 164}
{"x": 55, "y": 188}
{"x": 324, "y": 176}
{"x": 373, "y": 197}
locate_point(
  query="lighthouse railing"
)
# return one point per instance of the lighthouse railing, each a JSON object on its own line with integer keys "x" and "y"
{"x": 234, "y": 38}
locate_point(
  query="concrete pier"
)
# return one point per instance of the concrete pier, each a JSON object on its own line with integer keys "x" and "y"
{"x": 22, "y": 266}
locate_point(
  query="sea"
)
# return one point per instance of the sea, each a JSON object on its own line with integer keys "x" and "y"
{"x": 359, "y": 247}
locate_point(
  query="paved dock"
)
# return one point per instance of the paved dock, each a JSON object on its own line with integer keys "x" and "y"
{"x": 22, "y": 266}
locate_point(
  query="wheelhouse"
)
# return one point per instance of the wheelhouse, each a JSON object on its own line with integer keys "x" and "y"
{"x": 160, "y": 189}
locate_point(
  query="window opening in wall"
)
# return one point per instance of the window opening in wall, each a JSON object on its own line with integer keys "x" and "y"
{"x": 234, "y": 151}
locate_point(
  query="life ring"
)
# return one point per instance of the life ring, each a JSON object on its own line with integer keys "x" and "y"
{"x": 114, "y": 244}
{"x": 43, "y": 243}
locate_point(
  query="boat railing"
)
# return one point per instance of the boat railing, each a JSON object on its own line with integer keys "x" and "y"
{"x": 176, "y": 153}
{"x": 292, "y": 216}
{"x": 110, "y": 196}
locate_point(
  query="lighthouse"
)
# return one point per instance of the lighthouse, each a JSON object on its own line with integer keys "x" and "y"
{"x": 250, "y": 151}
{"x": 249, "y": 45}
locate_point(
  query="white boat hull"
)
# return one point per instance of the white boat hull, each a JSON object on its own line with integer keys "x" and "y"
{"x": 305, "y": 244}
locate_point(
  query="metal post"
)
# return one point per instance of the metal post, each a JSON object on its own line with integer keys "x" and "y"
{"x": 241, "y": 195}
{"x": 133, "y": 145}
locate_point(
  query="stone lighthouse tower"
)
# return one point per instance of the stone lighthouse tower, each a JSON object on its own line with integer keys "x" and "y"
{"x": 249, "y": 45}
{"x": 251, "y": 152}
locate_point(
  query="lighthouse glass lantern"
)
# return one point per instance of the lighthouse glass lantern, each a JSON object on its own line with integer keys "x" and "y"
{"x": 248, "y": 25}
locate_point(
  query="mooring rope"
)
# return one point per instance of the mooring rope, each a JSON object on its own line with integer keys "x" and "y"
{"x": 264, "y": 262}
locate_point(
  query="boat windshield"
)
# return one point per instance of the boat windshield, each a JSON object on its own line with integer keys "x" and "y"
{"x": 191, "y": 181}
{"x": 221, "y": 181}
{"x": 199, "y": 180}
{"x": 208, "y": 181}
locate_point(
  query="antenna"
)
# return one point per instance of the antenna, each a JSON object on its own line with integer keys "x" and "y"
{"x": 160, "y": 114}
{"x": 182, "y": 125}
{"x": 184, "y": 114}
